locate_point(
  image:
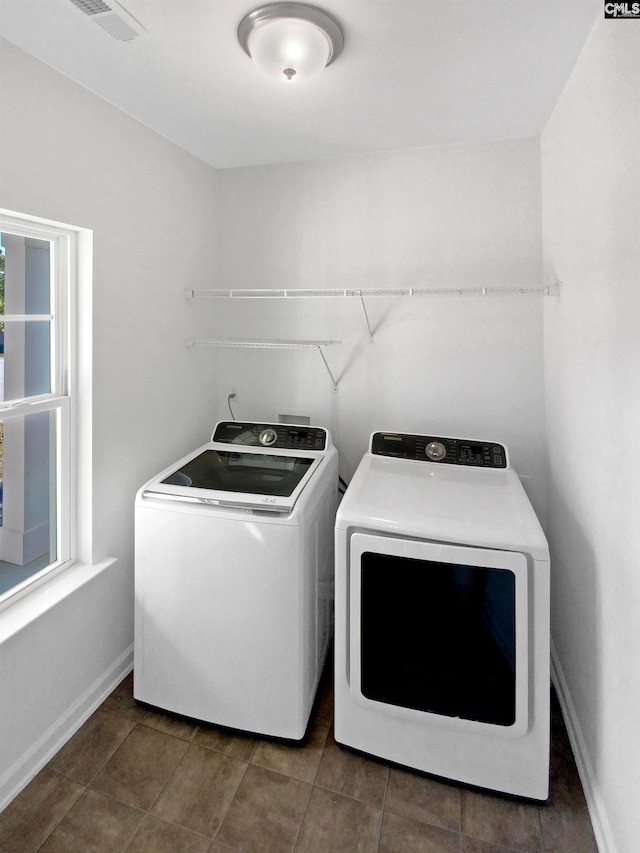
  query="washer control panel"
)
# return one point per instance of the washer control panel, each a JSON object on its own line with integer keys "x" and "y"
{"x": 278, "y": 436}
{"x": 449, "y": 451}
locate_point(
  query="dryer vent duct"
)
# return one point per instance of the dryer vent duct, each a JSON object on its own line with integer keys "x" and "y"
{"x": 113, "y": 19}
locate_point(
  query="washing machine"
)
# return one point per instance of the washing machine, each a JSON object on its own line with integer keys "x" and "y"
{"x": 442, "y": 614}
{"x": 234, "y": 578}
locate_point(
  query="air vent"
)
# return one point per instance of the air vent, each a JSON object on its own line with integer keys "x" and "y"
{"x": 113, "y": 19}
{"x": 91, "y": 7}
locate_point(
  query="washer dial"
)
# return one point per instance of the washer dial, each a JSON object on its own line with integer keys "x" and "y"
{"x": 267, "y": 437}
{"x": 436, "y": 451}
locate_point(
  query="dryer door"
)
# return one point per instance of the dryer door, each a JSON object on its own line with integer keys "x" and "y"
{"x": 440, "y": 632}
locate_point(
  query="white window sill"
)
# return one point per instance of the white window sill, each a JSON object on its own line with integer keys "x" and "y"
{"x": 17, "y": 615}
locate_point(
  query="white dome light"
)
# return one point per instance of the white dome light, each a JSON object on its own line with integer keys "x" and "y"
{"x": 290, "y": 42}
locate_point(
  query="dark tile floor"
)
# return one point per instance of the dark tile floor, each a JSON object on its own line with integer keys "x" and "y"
{"x": 134, "y": 780}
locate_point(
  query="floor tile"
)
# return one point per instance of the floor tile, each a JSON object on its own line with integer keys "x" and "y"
{"x": 237, "y": 744}
{"x": 351, "y": 774}
{"x": 474, "y": 845}
{"x": 403, "y": 835}
{"x": 336, "y": 823}
{"x": 140, "y": 767}
{"x": 200, "y": 790}
{"x": 564, "y": 820}
{"x": 165, "y": 784}
{"x": 501, "y": 820}
{"x": 121, "y": 700}
{"x": 421, "y": 798}
{"x": 95, "y": 824}
{"x": 266, "y": 812}
{"x": 169, "y": 723}
{"x": 92, "y": 746}
{"x": 36, "y": 811}
{"x": 158, "y": 836}
{"x": 297, "y": 760}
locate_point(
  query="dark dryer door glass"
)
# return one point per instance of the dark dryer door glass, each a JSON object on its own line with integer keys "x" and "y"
{"x": 439, "y": 637}
{"x": 249, "y": 473}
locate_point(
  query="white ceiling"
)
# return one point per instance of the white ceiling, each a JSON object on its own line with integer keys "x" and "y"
{"x": 413, "y": 73}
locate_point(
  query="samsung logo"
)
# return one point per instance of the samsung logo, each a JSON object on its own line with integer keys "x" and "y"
{"x": 391, "y": 438}
{"x": 622, "y": 10}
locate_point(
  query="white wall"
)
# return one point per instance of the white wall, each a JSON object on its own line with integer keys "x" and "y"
{"x": 67, "y": 156}
{"x": 591, "y": 204}
{"x": 451, "y": 216}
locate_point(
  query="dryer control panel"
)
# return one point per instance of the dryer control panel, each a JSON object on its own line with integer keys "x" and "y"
{"x": 278, "y": 436}
{"x": 449, "y": 451}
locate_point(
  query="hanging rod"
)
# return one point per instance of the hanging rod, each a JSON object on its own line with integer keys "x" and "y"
{"x": 274, "y": 344}
{"x": 337, "y": 293}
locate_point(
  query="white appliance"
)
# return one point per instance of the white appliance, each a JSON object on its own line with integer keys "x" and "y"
{"x": 234, "y": 578}
{"x": 442, "y": 614}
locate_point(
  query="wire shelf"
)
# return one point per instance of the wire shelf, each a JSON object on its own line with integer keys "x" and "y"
{"x": 341, "y": 293}
{"x": 346, "y": 293}
{"x": 320, "y": 346}
{"x": 272, "y": 344}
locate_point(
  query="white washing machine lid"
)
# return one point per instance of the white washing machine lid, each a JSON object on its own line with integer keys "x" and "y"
{"x": 237, "y": 470}
{"x": 478, "y": 507}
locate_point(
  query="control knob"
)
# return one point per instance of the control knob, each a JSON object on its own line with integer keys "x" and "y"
{"x": 436, "y": 451}
{"x": 267, "y": 437}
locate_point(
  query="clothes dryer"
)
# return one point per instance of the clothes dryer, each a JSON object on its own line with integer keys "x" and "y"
{"x": 442, "y": 614}
{"x": 234, "y": 578}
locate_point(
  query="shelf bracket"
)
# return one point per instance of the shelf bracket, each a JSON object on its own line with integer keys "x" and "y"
{"x": 366, "y": 316}
{"x": 326, "y": 364}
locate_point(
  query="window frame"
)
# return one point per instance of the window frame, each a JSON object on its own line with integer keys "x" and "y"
{"x": 65, "y": 259}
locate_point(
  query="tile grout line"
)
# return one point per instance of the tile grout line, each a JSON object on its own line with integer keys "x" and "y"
{"x": 133, "y": 833}
{"x": 143, "y": 812}
{"x": 87, "y": 788}
{"x": 312, "y": 785}
{"x": 304, "y": 814}
{"x": 210, "y": 838}
{"x": 57, "y": 824}
{"x": 190, "y": 742}
{"x": 226, "y": 811}
{"x": 383, "y": 809}
{"x": 350, "y": 797}
{"x": 104, "y": 764}
{"x": 540, "y": 832}
{"x": 169, "y": 777}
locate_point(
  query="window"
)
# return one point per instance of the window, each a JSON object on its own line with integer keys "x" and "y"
{"x": 37, "y": 343}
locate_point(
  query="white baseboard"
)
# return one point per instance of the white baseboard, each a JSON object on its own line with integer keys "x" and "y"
{"x": 34, "y": 759}
{"x": 597, "y": 811}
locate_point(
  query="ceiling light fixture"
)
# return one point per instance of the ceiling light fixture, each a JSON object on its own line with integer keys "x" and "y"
{"x": 290, "y": 42}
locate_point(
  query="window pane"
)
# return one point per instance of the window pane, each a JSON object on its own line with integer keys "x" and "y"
{"x": 28, "y": 488}
{"x": 25, "y": 290}
{"x": 25, "y": 364}
{"x": 26, "y": 266}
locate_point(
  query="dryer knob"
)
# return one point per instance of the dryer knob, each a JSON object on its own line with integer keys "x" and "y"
{"x": 268, "y": 436}
{"x": 436, "y": 450}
